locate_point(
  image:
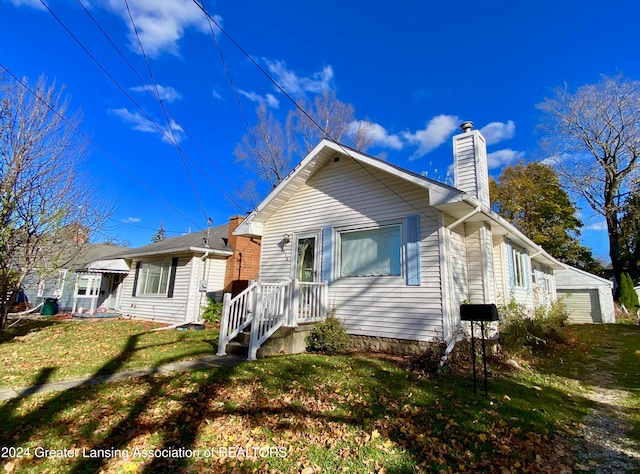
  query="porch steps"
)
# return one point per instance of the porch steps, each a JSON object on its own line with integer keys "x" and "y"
{"x": 286, "y": 340}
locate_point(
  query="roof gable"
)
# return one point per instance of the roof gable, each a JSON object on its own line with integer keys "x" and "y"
{"x": 326, "y": 150}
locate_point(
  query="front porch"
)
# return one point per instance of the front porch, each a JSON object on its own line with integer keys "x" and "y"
{"x": 266, "y": 307}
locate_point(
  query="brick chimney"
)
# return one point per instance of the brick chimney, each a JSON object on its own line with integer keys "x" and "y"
{"x": 244, "y": 264}
{"x": 470, "y": 172}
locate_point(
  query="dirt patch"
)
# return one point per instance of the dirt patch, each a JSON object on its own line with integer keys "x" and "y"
{"x": 605, "y": 430}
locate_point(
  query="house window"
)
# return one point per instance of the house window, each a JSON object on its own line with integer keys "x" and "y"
{"x": 153, "y": 278}
{"x": 371, "y": 252}
{"x": 519, "y": 264}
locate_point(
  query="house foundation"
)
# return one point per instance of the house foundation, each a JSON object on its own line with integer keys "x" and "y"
{"x": 387, "y": 345}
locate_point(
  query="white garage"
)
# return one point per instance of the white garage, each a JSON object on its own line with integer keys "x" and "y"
{"x": 588, "y": 297}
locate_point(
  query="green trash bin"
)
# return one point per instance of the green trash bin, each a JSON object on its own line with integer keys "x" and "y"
{"x": 50, "y": 307}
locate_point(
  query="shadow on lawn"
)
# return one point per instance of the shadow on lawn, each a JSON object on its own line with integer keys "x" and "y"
{"x": 422, "y": 433}
{"x": 22, "y": 429}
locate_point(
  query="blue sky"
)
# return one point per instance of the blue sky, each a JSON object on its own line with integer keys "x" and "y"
{"x": 414, "y": 69}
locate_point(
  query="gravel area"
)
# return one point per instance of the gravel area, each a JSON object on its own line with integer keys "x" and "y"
{"x": 604, "y": 432}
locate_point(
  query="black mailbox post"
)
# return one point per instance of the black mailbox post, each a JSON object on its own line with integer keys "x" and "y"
{"x": 482, "y": 313}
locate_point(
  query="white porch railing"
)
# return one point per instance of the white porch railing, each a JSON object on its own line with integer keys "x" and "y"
{"x": 267, "y": 307}
{"x": 236, "y": 315}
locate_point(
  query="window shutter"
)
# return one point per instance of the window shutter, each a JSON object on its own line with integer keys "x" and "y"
{"x": 172, "y": 277}
{"x": 512, "y": 272}
{"x": 135, "y": 278}
{"x": 328, "y": 244}
{"x": 413, "y": 250}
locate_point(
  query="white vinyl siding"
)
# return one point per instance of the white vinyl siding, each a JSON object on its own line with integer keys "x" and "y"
{"x": 187, "y": 300}
{"x": 346, "y": 197}
{"x": 459, "y": 269}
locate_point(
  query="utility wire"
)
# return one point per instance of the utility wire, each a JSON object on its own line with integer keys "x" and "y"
{"x": 306, "y": 114}
{"x": 186, "y": 132}
{"x": 123, "y": 90}
{"x": 164, "y": 111}
{"x": 97, "y": 147}
{"x": 233, "y": 88}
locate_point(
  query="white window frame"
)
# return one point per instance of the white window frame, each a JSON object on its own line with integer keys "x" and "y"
{"x": 520, "y": 267}
{"x": 163, "y": 279}
{"x": 342, "y": 233}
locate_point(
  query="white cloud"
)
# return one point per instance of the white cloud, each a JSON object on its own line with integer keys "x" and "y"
{"x": 28, "y": 3}
{"x": 597, "y": 226}
{"x": 142, "y": 124}
{"x": 167, "y": 93}
{"x": 503, "y": 157}
{"x": 131, "y": 220}
{"x": 160, "y": 23}
{"x": 495, "y": 132}
{"x": 216, "y": 94}
{"x": 378, "y": 133}
{"x": 297, "y": 86}
{"x": 268, "y": 99}
{"x": 436, "y": 132}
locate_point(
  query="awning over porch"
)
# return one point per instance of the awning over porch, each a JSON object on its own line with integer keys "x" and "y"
{"x": 116, "y": 265}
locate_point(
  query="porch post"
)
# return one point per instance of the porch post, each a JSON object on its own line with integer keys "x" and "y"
{"x": 325, "y": 299}
{"x": 224, "y": 325}
{"x": 255, "y": 323}
{"x": 295, "y": 303}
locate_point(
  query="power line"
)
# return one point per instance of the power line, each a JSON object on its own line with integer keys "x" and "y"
{"x": 164, "y": 111}
{"x": 233, "y": 88}
{"x": 123, "y": 90}
{"x": 97, "y": 147}
{"x": 320, "y": 127}
{"x": 186, "y": 132}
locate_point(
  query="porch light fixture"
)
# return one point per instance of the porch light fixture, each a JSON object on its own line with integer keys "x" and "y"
{"x": 286, "y": 238}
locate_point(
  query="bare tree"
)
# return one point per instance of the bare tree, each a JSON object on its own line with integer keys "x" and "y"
{"x": 593, "y": 138}
{"x": 337, "y": 122}
{"x": 270, "y": 147}
{"x": 47, "y": 208}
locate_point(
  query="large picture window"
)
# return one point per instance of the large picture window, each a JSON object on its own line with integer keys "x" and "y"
{"x": 371, "y": 252}
{"x": 153, "y": 278}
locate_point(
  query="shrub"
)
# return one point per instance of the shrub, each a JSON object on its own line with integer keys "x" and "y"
{"x": 328, "y": 336}
{"x": 212, "y": 312}
{"x": 628, "y": 295}
{"x": 524, "y": 332}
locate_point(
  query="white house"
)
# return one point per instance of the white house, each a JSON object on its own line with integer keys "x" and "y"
{"x": 588, "y": 297}
{"x": 393, "y": 254}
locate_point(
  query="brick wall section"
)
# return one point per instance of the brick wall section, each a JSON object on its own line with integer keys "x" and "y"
{"x": 244, "y": 264}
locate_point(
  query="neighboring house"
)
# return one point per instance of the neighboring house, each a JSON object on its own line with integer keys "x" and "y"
{"x": 393, "y": 254}
{"x": 169, "y": 281}
{"x": 63, "y": 284}
{"x": 588, "y": 297}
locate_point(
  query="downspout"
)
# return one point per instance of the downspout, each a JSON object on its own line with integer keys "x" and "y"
{"x": 204, "y": 277}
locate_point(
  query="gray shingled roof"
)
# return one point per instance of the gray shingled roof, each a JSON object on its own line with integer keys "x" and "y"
{"x": 216, "y": 237}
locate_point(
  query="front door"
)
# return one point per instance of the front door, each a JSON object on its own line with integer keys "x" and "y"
{"x": 306, "y": 259}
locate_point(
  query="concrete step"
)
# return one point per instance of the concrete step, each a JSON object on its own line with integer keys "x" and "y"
{"x": 238, "y": 349}
{"x": 244, "y": 336}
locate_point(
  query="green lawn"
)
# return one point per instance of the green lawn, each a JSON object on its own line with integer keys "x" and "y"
{"x": 317, "y": 413}
{"x": 48, "y": 350}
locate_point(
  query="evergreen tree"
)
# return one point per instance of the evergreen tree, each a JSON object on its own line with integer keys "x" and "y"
{"x": 160, "y": 234}
{"x": 628, "y": 296}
